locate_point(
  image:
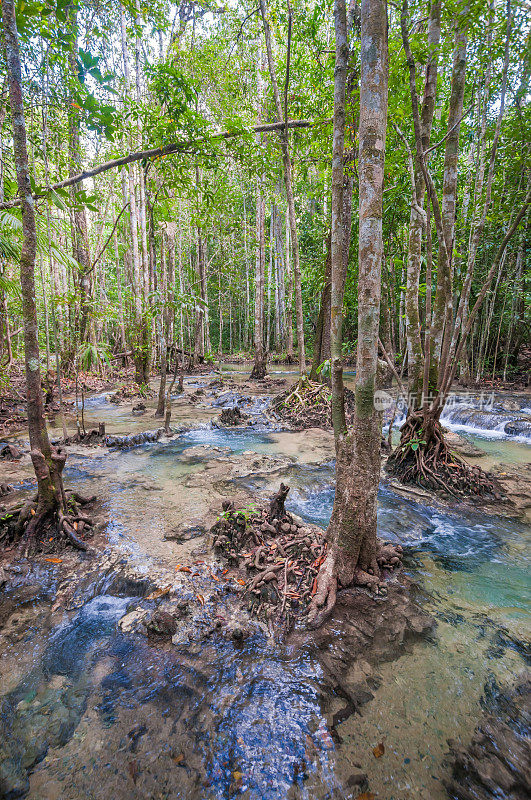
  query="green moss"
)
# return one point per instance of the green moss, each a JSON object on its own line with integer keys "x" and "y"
{"x": 365, "y": 400}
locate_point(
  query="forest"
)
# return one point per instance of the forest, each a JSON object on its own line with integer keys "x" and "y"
{"x": 265, "y": 407}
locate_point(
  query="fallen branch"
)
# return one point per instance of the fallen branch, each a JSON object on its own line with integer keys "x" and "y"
{"x": 166, "y": 150}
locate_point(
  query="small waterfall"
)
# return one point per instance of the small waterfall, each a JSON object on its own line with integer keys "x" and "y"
{"x": 487, "y": 415}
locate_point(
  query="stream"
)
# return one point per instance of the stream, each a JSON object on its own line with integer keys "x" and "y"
{"x": 93, "y": 710}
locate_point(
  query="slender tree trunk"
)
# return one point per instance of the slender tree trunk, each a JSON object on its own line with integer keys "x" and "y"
{"x": 352, "y": 531}
{"x": 199, "y": 334}
{"x": 520, "y": 258}
{"x": 416, "y": 220}
{"x": 289, "y": 305}
{"x": 48, "y": 461}
{"x": 140, "y": 336}
{"x": 220, "y": 313}
{"x": 269, "y": 287}
{"x": 164, "y": 338}
{"x": 80, "y": 238}
{"x": 321, "y": 344}
{"x": 247, "y": 326}
{"x": 259, "y": 367}
{"x": 123, "y": 338}
{"x": 286, "y": 159}
{"x": 9, "y": 347}
{"x": 443, "y": 305}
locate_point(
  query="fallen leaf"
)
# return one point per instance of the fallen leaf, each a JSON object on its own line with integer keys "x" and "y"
{"x": 201, "y": 599}
{"x": 215, "y": 577}
{"x": 366, "y": 796}
{"x": 314, "y": 587}
{"x": 32, "y": 512}
{"x": 180, "y": 568}
{"x": 379, "y": 750}
{"x": 178, "y": 759}
{"x": 158, "y": 593}
{"x": 134, "y": 771}
{"x": 239, "y": 580}
{"x": 54, "y": 560}
{"x": 75, "y": 526}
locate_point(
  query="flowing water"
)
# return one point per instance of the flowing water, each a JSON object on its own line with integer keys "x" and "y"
{"x": 95, "y": 711}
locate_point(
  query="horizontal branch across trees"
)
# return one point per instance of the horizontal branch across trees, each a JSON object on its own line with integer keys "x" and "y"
{"x": 174, "y": 147}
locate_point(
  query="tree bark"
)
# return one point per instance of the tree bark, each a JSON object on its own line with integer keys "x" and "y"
{"x": 140, "y": 337}
{"x": 48, "y": 462}
{"x": 164, "y": 339}
{"x": 321, "y": 343}
{"x": 443, "y": 304}
{"x": 416, "y": 220}
{"x": 80, "y": 238}
{"x": 259, "y": 366}
{"x": 121, "y": 324}
{"x": 351, "y": 534}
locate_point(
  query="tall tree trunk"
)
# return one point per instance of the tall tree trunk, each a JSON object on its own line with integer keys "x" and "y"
{"x": 260, "y": 355}
{"x": 321, "y": 344}
{"x": 281, "y": 278}
{"x": 259, "y": 367}
{"x": 140, "y": 334}
{"x": 199, "y": 333}
{"x": 80, "y": 238}
{"x": 164, "y": 335}
{"x": 443, "y": 305}
{"x": 121, "y": 324}
{"x": 286, "y": 159}
{"x": 520, "y": 259}
{"x": 417, "y": 218}
{"x": 48, "y": 461}
{"x": 289, "y": 305}
{"x": 352, "y": 550}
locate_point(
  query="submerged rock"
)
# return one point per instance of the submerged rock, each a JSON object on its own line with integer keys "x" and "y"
{"x": 9, "y": 452}
{"x": 497, "y": 762}
{"x": 232, "y": 416}
{"x": 133, "y": 440}
{"x": 162, "y": 624}
{"x": 362, "y": 632}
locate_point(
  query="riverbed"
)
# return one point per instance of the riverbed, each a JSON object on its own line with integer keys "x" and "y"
{"x": 95, "y": 710}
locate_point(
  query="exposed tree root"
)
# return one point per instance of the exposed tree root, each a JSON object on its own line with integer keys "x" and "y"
{"x": 259, "y": 370}
{"x": 424, "y": 458}
{"x": 232, "y": 416}
{"x": 130, "y": 391}
{"x": 89, "y": 438}
{"x": 307, "y": 404}
{"x": 287, "y": 568}
{"x": 339, "y": 572}
{"x": 48, "y": 522}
